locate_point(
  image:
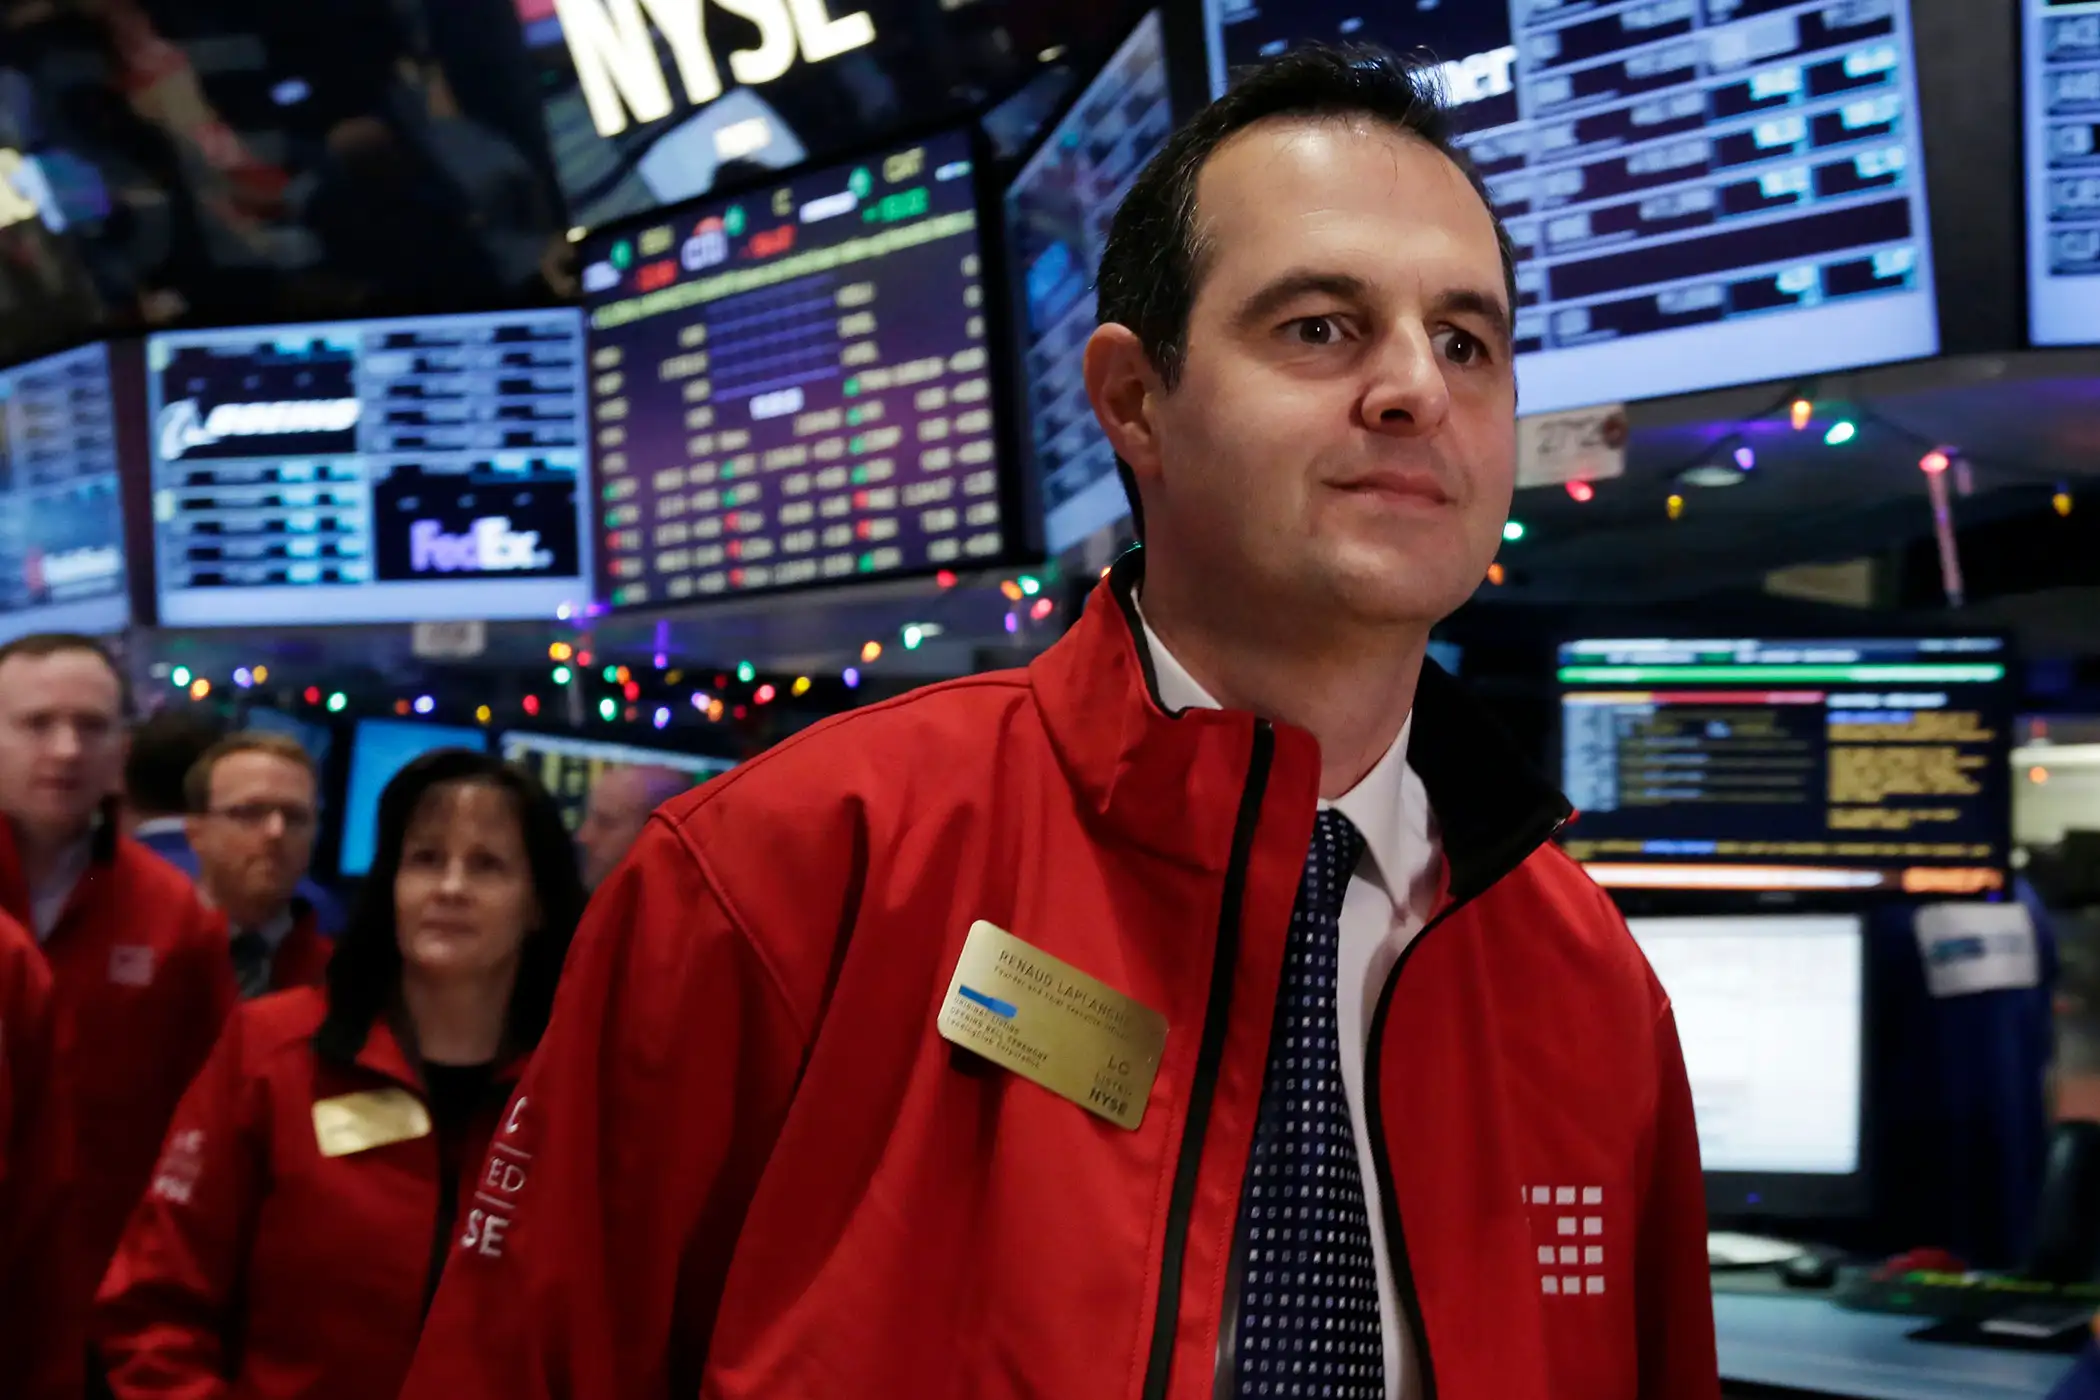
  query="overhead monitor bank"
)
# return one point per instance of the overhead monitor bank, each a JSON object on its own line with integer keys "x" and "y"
{"x": 422, "y": 469}
{"x": 62, "y": 562}
{"x": 1058, "y": 210}
{"x": 793, "y": 386}
{"x": 1701, "y": 193}
{"x": 2062, "y": 103}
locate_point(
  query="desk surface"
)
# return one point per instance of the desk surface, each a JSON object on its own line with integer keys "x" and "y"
{"x": 1815, "y": 1346}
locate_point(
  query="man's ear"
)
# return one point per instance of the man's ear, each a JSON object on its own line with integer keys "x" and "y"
{"x": 1124, "y": 389}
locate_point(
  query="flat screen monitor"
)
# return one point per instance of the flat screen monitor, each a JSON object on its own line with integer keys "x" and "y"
{"x": 792, "y": 386}
{"x": 1812, "y": 767}
{"x": 1771, "y": 1013}
{"x": 424, "y": 469}
{"x": 567, "y": 767}
{"x": 61, "y": 516}
{"x": 380, "y": 748}
{"x": 1701, "y": 194}
{"x": 1058, "y": 211}
{"x": 2063, "y": 170}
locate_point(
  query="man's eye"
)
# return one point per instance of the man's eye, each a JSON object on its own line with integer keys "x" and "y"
{"x": 1316, "y": 330}
{"x": 1464, "y": 349}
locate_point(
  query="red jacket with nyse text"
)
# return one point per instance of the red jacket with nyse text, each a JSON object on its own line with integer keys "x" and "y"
{"x": 40, "y": 1337}
{"x": 142, "y": 981}
{"x": 258, "y": 1266}
{"x": 751, "y": 1169}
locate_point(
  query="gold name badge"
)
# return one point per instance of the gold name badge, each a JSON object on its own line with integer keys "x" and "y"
{"x": 1049, "y": 1022}
{"x": 359, "y": 1122}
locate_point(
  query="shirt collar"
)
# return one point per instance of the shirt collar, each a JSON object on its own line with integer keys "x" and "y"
{"x": 1386, "y": 806}
{"x": 160, "y": 826}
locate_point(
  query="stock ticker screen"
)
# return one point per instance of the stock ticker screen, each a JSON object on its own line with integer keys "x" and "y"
{"x": 568, "y": 767}
{"x": 423, "y": 469}
{"x": 1058, "y": 211}
{"x": 1832, "y": 766}
{"x": 792, "y": 386}
{"x": 1702, "y": 192}
{"x": 61, "y": 518}
{"x": 2063, "y": 170}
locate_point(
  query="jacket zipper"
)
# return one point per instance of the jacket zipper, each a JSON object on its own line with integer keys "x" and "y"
{"x": 1374, "y": 1120}
{"x": 1203, "y": 1088}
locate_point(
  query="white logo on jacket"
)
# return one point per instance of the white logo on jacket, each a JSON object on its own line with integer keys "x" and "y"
{"x": 1571, "y": 1261}
{"x": 175, "y": 1179}
{"x": 131, "y": 965}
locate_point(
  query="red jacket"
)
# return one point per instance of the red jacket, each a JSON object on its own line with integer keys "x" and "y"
{"x": 748, "y": 1166}
{"x": 258, "y": 1267}
{"x": 41, "y": 1343}
{"x": 143, "y": 981}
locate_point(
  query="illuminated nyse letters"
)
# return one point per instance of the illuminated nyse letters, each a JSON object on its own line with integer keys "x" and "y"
{"x": 617, "y": 67}
{"x": 1480, "y": 76}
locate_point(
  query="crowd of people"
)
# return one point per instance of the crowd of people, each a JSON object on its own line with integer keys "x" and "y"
{"x": 193, "y": 1168}
{"x": 1037, "y": 1035}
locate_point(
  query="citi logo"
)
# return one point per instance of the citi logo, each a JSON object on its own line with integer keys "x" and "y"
{"x": 488, "y": 546}
{"x": 184, "y": 426}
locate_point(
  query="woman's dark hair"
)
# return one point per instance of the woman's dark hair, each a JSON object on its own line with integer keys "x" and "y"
{"x": 364, "y": 976}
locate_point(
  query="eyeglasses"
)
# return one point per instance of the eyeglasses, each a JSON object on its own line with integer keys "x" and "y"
{"x": 253, "y": 816}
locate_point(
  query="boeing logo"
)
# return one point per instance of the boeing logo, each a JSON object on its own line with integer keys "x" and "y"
{"x": 184, "y": 426}
{"x": 489, "y": 546}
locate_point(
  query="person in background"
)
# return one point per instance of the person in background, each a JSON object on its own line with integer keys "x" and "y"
{"x": 317, "y": 1168}
{"x": 254, "y": 801}
{"x": 165, "y": 746}
{"x": 1093, "y": 1030}
{"x": 618, "y": 808}
{"x": 141, "y": 981}
{"x": 41, "y": 1346}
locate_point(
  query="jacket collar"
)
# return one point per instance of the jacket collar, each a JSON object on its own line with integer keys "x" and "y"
{"x": 15, "y": 897}
{"x": 1137, "y": 768}
{"x": 383, "y": 1054}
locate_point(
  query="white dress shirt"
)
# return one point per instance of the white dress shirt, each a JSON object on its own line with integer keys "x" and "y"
{"x": 48, "y": 900}
{"x": 1388, "y": 900}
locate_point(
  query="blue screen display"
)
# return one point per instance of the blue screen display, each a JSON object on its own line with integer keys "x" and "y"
{"x": 61, "y": 521}
{"x": 1701, "y": 194}
{"x": 417, "y": 470}
{"x": 380, "y": 749}
{"x": 2063, "y": 170}
{"x": 1058, "y": 211}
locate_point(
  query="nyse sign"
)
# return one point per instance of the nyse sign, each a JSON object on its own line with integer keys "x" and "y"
{"x": 616, "y": 62}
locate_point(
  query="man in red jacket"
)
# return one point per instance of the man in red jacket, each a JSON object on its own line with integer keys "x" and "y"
{"x": 141, "y": 981}
{"x": 1202, "y": 1011}
{"x": 254, "y": 803}
{"x": 40, "y": 1340}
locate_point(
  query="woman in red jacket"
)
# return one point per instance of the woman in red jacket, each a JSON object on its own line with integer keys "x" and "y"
{"x": 314, "y": 1175}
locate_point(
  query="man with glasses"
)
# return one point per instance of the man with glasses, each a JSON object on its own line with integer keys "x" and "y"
{"x": 139, "y": 969}
{"x": 253, "y": 800}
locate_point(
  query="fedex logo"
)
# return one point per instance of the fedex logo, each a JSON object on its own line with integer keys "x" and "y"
{"x": 184, "y": 426}
{"x": 489, "y": 546}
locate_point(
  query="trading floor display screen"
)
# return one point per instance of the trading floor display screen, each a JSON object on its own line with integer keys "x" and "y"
{"x": 2063, "y": 170}
{"x": 1702, "y": 192}
{"x": 61, "y": 520}
{"x": 424, "y": 469}
{"x": 1835, "y": 766}
{"x": 1770, "y": 1012}
{"x": 1058, "y": 211}
{"x": 568, "y": 767}
{"x": 791, "y": 387}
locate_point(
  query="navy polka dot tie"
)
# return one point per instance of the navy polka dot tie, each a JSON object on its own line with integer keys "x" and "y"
{"x": 1308, "y": 1315}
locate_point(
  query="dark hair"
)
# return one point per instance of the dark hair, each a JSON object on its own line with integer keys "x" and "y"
{"x": 165, "y": 745}
{"x": 196, "y": 784}
{"x": 364, "y": 976}
{"x": 37, "y": 645}
{"x": 1155, "y": 257}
